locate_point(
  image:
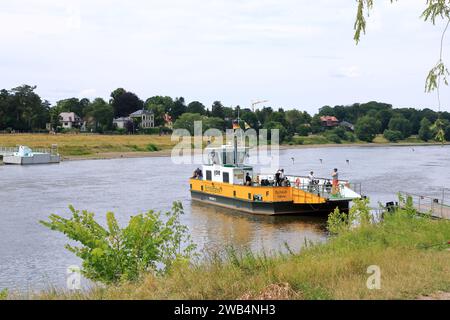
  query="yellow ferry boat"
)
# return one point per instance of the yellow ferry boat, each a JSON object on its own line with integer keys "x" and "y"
{"x": 223, "y": 182}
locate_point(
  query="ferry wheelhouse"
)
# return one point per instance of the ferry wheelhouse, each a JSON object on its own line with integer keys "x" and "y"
{"x": 223, "y": 183}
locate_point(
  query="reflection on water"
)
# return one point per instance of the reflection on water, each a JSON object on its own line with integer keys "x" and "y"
{"x": 33, "y": 256}
{"x": 221, "y": 226}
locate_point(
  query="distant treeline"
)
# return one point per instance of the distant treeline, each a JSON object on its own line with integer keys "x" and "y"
{"x": 22, "y": 109}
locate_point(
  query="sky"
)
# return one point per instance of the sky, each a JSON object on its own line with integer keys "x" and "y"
{"x": 294, "y": 53}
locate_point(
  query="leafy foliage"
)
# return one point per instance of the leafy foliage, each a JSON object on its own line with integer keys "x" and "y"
{"x": 114, "y": 254}
{"x": 359, "y": 214}
{"x": 392, "y": 135}
{"x": 367, "y": 128}
{"x": 4, "y": 294}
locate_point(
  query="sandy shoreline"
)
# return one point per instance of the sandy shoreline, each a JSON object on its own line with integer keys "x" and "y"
{"x": 168, "y": 152}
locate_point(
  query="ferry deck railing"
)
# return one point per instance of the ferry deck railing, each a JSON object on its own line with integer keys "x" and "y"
{"x": 322, "y": 187}
{"x": 7, "y": 151}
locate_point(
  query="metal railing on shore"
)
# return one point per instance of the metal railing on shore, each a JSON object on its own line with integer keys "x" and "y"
{"x": 437, "y": 207}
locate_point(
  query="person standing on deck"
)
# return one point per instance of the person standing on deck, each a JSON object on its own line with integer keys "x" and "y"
{"x": 335, "y": 177}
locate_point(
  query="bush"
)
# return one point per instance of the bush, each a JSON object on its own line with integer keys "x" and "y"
{"x": 367, "y": 128}
{"x": 303, "y": 130}
{"x": 359, "y": 214}
{"x": 399, "y": 123}
{"x": 151, "y": 147}
{"x": 349, "y": 136}
{"x": 333, "y": 137}
{"x": 112, "y": 254}
{"x": 425, "y": 132}
{"x": 392, "y": 135}
{"x": 4, "y": 294}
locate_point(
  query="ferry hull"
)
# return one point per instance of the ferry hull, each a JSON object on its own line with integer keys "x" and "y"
{"x": 270, "y": 208}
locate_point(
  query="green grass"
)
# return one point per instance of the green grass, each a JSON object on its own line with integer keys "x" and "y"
{"x": 411, "y": 252}
{"x": 74, "y": 145}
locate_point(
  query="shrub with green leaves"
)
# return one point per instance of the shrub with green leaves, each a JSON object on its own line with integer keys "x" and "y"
{"x": 4, "y": 294}
{"x": 392, "y": 135}
{"x": 150, "y": 243}
{"x": 359, "y": 213}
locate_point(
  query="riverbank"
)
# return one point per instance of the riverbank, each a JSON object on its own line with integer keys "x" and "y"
{"x": 412, "y": 254}
{"x": 93, "y": 147}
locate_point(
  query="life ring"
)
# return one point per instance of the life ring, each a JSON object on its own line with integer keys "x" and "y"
{"x": 297, "y": 182}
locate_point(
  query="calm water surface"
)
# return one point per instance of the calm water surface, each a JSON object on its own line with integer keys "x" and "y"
{"x": 33, "y": 257}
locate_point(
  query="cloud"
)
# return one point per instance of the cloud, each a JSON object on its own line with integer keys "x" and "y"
{"x": 348, "y": 72}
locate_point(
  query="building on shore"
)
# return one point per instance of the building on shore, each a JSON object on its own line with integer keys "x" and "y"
{"x": 70, "y": 120}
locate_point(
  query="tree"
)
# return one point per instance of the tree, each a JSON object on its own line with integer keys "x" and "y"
{"x": 399, "y": 123}
{"x": 178, "y": 108}
{"x": 125, "y": 103}
{"x": 367, "y": 128}
{"x": 186, "y": 121}
{"x": 26, "y": 111}
{"x": 160, "y": 105}
{"x": 71, "y": 105}
{"x": 149, "y": 243}
{"x": 196, "y": 107}
{"x": 217, "y": 110}
{"x": 101, "y": 114}
{"x": 425, "y": 130}
{"x": 392, "y": 135}
{"x": 272, "y": 125}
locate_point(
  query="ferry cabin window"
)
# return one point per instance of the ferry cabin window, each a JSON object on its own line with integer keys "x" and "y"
{"x": 208, "y": 175}
{"x": 226, "y": 177}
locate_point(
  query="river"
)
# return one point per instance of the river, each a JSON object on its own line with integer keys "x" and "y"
{"x": 33, "y": 257}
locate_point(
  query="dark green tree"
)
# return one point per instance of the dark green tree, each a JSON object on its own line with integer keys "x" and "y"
{"x": 100, "y": 115}
{"x": 218, "y": 110}
{"x": 366, "y": 128}
{"x": 399, "y": 123}
{"x": 196, "y": 107}
{"x": 425, "y": 132}
{"x": 124, "y": 103}
{"x": 178, "y": 108}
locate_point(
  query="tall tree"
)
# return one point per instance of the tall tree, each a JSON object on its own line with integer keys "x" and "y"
{"x": 217, "y": 110}
{"x": 100, "y": 115}
{"x": 124, "y": 103}
{"x": 366, "y": 128}
{"x": 178, "y": 108}
{"x": 71, "y": 105}
{"x": 196, "y": 107}
{"x": 425, "y": 130}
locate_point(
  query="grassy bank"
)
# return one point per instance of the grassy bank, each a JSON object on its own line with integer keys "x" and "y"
{"x": 411, "y": 252}
{"x": 86, "y": 145}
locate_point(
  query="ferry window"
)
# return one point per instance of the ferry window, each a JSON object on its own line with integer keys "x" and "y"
{"x": 208, "y": 175}
{"x": 234, "y": 193}
{"x": 226, "y": 177}
{"x": 250, "y": 196}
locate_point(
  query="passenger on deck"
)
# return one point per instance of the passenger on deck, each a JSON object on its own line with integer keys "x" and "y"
{"x": 335, "y": 176}
{"x": 311, "y": 177}
{"x": 248, "y": 180}
{"x": 198, "y": 174}
{"x": 278, "y": 178}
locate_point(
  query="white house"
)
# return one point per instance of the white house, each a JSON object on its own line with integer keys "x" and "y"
{"x": 147, "y": 118}
{"x": 120, "y": 123}
{"x": 70, "y": 120}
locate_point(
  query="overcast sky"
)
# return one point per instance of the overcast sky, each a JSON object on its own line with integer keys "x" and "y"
{"x": 295, "y": 53}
